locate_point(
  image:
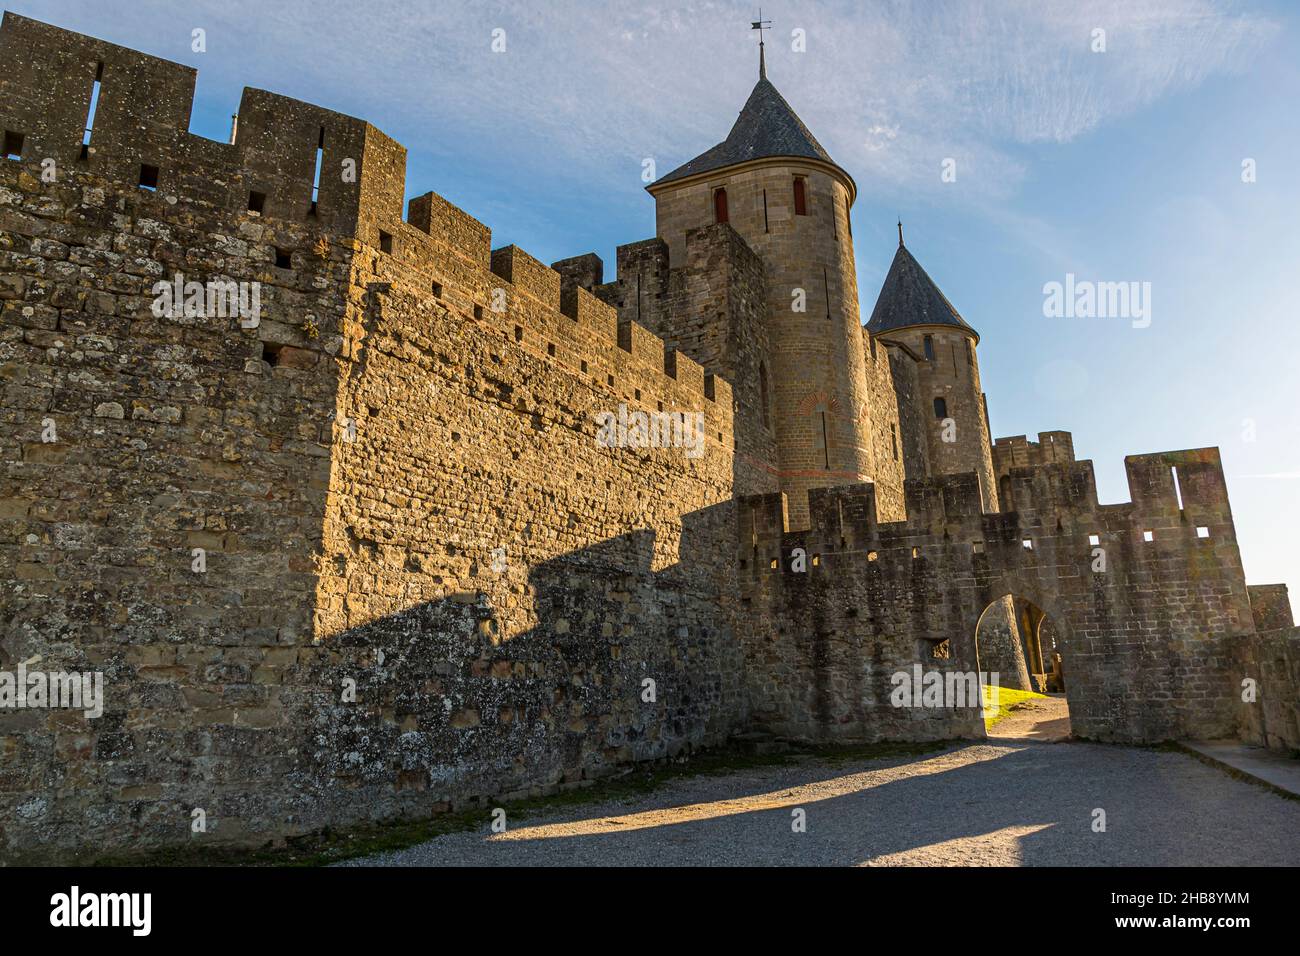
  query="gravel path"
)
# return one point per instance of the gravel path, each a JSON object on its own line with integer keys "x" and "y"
{"x": 1047, "y": 719}
{"x": 1007, "y": 802}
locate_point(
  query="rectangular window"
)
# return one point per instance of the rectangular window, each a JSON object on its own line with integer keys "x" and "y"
{"x": 929, "y": 348}
{"x": 940, "y": 408}
{"x": 1202, "y": 532}
{"x": 148, "y": 177}
{"x": 385, "y": 242}
{"x": 256, "y": 202}
{"x": 13, "y": 145}
{"x": 800, "y": 197}
{"x": 893, "y": 438}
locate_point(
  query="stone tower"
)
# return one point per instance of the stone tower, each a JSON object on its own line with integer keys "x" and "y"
{"x": 951, "y": 407}
{"x": 775, "y": 185}
{"x": 949, "y": 415}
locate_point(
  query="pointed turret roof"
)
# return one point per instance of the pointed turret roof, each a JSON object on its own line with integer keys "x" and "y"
{"x": 909, "y": 298}
{"x": 767, "y": 127}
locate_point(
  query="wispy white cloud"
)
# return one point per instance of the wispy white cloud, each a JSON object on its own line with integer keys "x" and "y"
{"x": 890, "y": 89}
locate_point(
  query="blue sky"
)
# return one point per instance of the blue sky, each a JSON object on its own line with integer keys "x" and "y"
{"x": 1115, "y": 166}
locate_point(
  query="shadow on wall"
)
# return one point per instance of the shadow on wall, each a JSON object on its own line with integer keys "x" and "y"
{"x": 623, "y": 664}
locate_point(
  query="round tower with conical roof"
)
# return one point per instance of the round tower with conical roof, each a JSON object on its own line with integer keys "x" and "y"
{"x": 913, "y": 313}
{"x": 773, "y": 183}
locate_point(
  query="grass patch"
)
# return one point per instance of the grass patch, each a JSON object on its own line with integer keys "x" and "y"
{"x": 331, "y": 846}
{"x": 1008, "y": 699}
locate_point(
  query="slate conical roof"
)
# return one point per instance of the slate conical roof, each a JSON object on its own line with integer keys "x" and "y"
{"x": 909, "y": 297}
{"x": 766, "y": 127}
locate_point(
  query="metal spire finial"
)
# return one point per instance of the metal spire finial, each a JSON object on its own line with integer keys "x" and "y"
{"x": 760, "y": 25}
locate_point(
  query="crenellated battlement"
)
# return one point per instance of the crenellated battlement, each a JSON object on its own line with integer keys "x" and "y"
{"x": 1018, "y": 452}
{"x": 1056, "y": 501}
{"x": 140, "y": 139}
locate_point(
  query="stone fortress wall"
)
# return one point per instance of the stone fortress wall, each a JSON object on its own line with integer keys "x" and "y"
{"x": 425, "y": 583}
{"x": 396, "y": 487}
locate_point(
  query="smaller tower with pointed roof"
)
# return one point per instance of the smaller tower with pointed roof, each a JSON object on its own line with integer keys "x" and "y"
{"x": 913, "y": 314}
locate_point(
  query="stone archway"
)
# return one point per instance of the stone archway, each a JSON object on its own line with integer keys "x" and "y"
{"x": 1043, "y": 633}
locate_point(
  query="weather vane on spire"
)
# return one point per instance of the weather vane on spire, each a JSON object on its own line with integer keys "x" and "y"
{"x": 760, "y": 25}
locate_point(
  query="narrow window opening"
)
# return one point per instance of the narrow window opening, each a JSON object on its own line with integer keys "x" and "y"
{"x": 637, "y": 392}
{"x": 1094, "y": 540}
{"x": 271, "y": 353}
{"x": 584, "y": 365}
{"x": 256, "y": 202}
{"x": 1202, "y": 531}
{"x": 315, "y": 180}
{"x": 385, "y": 242}
{"x": 1178, "y": 491}
{"x": 826, "y": 443}
{"x": 893, "y": 438}
{"x": 1148, "y": 536}
{"x": 940, "y": 408}
{"x": 800, "y": 197}
{"x": 519, "y": 333}
{"x": 610, "y": 380}
{"x": 1027, "y": 544}
{"x": 90, "y": 113}
{"x": 765, "y": 229}
{"x": 148, "y": 177}
{"x": 916, "y": 553}
{"x": 826, "y": 291}
{"x": 817, "y": 561}
{"x": 719, "y": 205}
{"x": 437, "y": 289}
{"x": 283, "y": 259}
{"x": 478, "y": 313}
{"x": 929, "y": 348}
{"x": 13, "y": 145}
{"x": 550, "y": 349}
{"x": 772, "y": 564}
